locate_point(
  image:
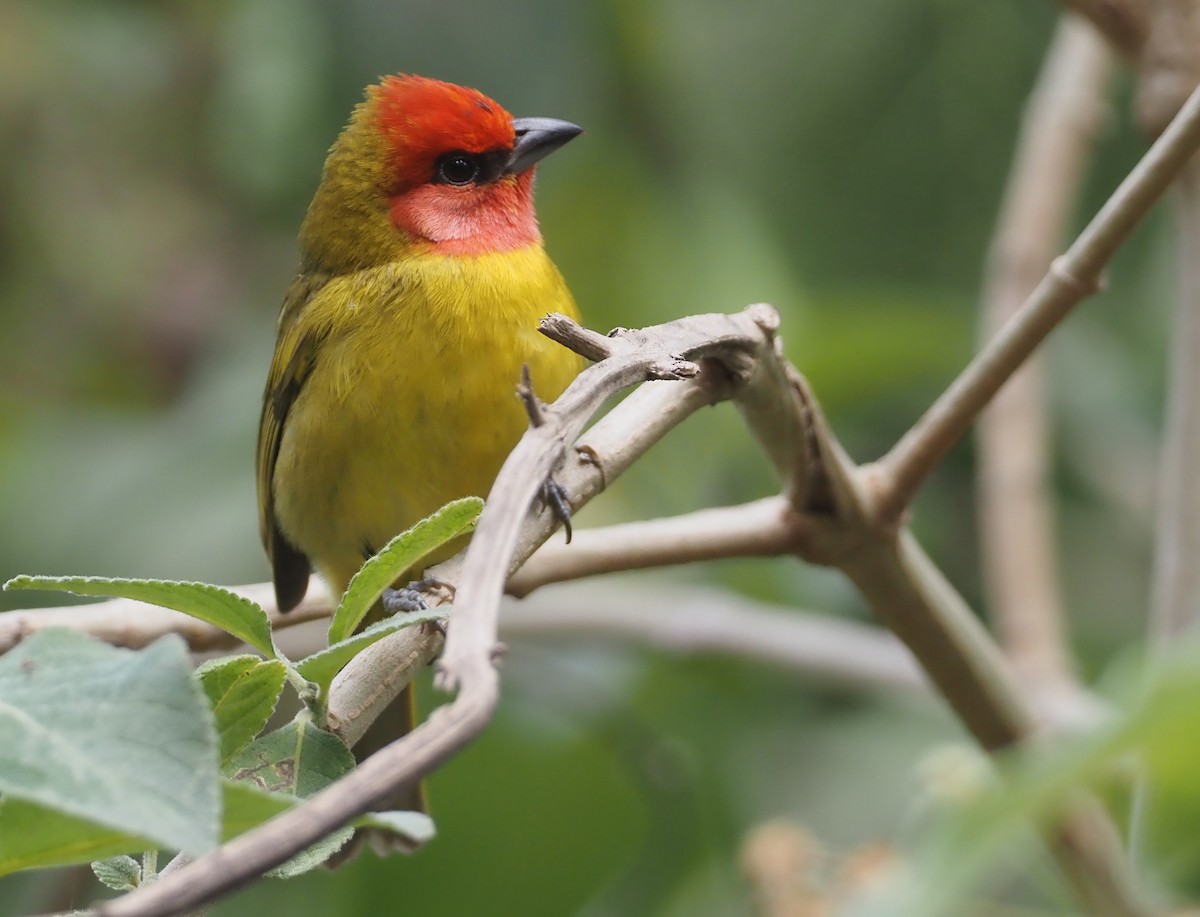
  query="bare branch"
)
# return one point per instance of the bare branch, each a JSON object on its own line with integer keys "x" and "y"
{"x": 1071, "y": 277}
{"x": 371, "y": 681}
{"x": 708, "y": 620}
{"x": 910, "y": 595}
{"x": 489, "y": 558}
{"x": 904, "y": 589}
{"x": 1122, "y": 22}
{"x": 1016, "y": 518}
{"x": 497, "y": 546}
{"x": 765, "y": 528}
{"x": 1175, "y": 603}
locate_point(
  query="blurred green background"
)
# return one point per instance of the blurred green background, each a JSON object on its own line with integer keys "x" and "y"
{"x": 843, "y": 161}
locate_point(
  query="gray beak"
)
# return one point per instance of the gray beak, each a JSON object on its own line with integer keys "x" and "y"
{"x": 538, "y": 138}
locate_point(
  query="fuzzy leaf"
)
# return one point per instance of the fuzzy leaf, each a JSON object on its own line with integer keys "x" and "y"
{"x": 297, "y": 760}
{"x": 243, "y": 691}
{"x": 220, "y": 607}
{"x": 35, "y": 837}
{"x": 120, "y": 737}
{"x": 404, "y": 552}
{"x": 415, "y": 829}
{"x": 321, "y": 668}
{"x": 120, "y": 873}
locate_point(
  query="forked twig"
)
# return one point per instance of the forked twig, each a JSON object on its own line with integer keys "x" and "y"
{"x": 497, "y": 546}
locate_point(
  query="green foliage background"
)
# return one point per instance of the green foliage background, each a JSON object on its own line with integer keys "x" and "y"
{"x": 843, "y": 161}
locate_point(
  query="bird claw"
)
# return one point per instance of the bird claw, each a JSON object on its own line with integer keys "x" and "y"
{"x": 411, "y": 598}
{"x": 405, "y": 600}
{"x": 554, "y": 497}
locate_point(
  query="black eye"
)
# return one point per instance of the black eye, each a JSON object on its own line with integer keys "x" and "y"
{"x": 457, "y": 169}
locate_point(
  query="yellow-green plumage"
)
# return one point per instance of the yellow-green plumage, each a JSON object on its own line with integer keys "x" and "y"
{"x": 408, "y": 394}
{"x": 392, "y": 390}
{"x": 400, "y": 344}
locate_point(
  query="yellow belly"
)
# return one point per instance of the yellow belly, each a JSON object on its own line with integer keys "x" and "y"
{"x": 411, "y": 399}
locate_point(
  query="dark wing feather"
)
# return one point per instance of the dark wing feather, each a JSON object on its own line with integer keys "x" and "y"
{"x": 295, "y": 351}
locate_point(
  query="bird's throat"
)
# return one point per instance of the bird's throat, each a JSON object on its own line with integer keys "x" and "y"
{"x": 496, "y": 217}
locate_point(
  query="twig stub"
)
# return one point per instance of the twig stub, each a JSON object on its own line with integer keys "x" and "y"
{"x": 587, "y": 343}
{"x": 533, "y": 406}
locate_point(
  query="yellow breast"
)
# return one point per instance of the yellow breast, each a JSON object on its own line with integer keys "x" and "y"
{"x": 411, "y": 402}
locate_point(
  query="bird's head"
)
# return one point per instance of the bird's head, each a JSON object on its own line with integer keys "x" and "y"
{"x": 428, "y": 165}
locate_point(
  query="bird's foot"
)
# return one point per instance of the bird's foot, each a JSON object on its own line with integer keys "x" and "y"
{"x": 411, "y": 598}
{"x": 554, "y": 497}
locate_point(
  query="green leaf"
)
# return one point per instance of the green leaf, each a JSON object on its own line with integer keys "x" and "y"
{"x": 212, "y": 604}
{"x": 35, "y": 837}
{"x": 32, "y": 836}
{"x": 120, "y": 873}
{"x": 321, "y": 668}
{"x": 297, "y": 760}
{"x": 314, "y": 856}
{"x": 243, "y": 691}
{"x": 120, "y": 737}
{"x": 414, "y": 829}
{"x": 246, "y": 806}
{"x": 402, "y": 553}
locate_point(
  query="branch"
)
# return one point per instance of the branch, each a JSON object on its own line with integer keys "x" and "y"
{"x": 711, "y": 621}
{"x": 703, "y": 620}
{"x": 1074, "y": 275}
{"x": 910, "y": 595}
{"x": 765, "y": 528}
{"x": 902, "y": 587}
{"x": 1122, "y": 22}
{"x": 499, "y": 543}
{"x": 1016, "y": 518}
{"x": 1175, "y": 599}
{"x": 489, "y": 559}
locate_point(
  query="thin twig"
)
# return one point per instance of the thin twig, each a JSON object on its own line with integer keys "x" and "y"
{"x": 903, "y": 470}
{"x": 764, "y": 528}
{"x": 690, "y": 621}
{"x": 1016, "y": 518}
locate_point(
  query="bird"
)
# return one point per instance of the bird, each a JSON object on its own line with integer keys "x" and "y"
{"x": 423, "y": 275}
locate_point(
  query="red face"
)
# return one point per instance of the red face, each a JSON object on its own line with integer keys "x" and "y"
{"x": 451, "y": 151}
